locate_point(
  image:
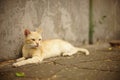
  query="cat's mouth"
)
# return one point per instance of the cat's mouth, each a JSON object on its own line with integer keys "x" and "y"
{"x": 34, "y": 45}
{"x": 37, "y": 45}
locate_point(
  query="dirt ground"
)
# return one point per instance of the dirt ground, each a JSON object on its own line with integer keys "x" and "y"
{"x": 103, "y": 63}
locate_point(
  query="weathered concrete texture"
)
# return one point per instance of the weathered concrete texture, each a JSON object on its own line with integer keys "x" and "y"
{"x": 65, "y": 19}
{"x": 11, "y": 13}
{"x": 106, "y": 20}
{"x": 102, "y": 64}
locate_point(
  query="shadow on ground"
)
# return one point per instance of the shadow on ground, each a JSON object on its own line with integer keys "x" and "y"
{"x": 103, "y": 63}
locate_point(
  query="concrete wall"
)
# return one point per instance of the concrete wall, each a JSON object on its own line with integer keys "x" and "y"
{"x": 106, "y": 16}
{"x": 65, "y": 19}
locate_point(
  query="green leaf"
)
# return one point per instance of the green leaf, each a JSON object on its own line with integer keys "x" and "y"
{"x": 20, "y": 74}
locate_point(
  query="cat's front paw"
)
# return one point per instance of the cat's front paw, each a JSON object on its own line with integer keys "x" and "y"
{"x": 16, "y": 65}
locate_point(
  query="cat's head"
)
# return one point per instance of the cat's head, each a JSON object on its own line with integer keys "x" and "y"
{"x": 33, "y": 38}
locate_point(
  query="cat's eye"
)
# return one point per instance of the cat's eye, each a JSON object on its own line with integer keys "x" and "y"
{"x": 33, "y": 39}
{"x": 39, "y": 39}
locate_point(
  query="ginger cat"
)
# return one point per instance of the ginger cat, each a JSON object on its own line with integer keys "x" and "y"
{"x": 35, "y": 50}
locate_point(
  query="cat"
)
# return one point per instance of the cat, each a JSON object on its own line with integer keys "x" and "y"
{"x": 35, "y": 50}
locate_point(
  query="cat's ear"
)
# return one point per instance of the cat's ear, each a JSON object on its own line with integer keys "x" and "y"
{"x": 39, "y": 31}
{"x": 26, "y": 32}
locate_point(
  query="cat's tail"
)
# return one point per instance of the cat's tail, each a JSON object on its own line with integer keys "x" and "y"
{"x": 83, "y": 50}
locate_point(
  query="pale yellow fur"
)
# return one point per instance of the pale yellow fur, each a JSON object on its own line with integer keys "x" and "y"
{"x": 35, "y": 50}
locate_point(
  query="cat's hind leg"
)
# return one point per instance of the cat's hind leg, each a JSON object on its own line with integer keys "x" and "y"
{"x": 83, "y": 50}
{"x": 66, "y": 54}
{"x": 75, "y": 50}
{"x": 69, "y": 53}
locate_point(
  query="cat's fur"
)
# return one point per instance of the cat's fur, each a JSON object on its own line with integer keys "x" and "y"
{"x": 35, "y": 50}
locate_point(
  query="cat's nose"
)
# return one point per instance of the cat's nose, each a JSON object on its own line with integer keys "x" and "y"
{"x": 37, "y": 44}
